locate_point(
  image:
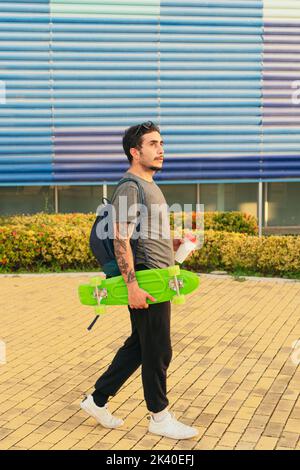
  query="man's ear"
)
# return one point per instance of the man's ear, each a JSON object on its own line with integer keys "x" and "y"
{"x": 134, "y": 152}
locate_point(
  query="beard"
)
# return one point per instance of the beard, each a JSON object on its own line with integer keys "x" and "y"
{"x": 152, "y": 167}
{"x": 155, "y": 168}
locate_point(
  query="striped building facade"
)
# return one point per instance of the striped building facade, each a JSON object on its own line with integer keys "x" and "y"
{"x": 220, "y": 77}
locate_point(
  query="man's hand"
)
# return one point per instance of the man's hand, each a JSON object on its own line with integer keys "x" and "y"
{"x": 176, "y": 243}
{"x": 137, "y": 297}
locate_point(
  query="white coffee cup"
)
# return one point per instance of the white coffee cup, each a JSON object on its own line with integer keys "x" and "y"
{"x": 188, "y": 245}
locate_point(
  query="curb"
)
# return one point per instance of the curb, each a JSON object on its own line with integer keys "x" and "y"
{"x": 205, "y": 275}
{"x": 279, "y": 280}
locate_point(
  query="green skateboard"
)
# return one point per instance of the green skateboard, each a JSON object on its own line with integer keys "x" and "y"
{"x": 165, "y": 284}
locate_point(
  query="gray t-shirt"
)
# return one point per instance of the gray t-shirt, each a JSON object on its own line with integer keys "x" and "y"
{"x": 154, "y": 222}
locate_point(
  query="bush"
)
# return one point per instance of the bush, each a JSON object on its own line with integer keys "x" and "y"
{"x": 50, "y": 241}
{"x": 62, "y": 242}
{"x": 273, "y": 255}
{"x": 239, "y": 222}
{"x": 45, "y": 220}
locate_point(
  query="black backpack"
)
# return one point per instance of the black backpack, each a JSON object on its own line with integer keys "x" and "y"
{"x": 101, "y": 243}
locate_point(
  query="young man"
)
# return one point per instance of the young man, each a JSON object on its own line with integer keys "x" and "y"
{"x": 149, "y": 344}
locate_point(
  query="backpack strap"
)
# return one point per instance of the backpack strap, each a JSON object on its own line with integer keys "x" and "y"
{"x": 105, "y": 200}
{"x": 141, "y": 194}
{"x": 141, "y": 200}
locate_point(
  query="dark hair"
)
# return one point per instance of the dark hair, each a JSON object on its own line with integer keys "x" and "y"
{"x": 133, "y": 136}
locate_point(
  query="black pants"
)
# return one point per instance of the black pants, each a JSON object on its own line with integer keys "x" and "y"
{"x": 149, "y": 346}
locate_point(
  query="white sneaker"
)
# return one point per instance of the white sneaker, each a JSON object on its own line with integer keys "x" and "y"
{"x": 170, "y": 427}
{"x": 100, "y": 413}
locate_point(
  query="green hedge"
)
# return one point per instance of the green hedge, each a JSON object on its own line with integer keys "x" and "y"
{"x": 272, "y": 255}
{"x": 239, "y": 222}
{"x": 221, "y": 221}
{"x": 56, "y": 241}
{"x": 61, "y": 242}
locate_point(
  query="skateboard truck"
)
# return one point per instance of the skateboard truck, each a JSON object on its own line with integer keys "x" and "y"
{"x": 173, "y": 286}
{"x": 176, "y": 284}
{"x": 99, "y": 294}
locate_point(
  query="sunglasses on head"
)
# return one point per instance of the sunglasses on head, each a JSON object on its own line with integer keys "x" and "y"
{"x": 146, "y": 125}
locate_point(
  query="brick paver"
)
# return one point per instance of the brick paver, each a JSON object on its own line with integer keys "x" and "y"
{"x": 234, "y": 372}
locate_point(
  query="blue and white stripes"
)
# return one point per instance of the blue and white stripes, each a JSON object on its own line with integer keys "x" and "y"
{"x": 215, "y": 75}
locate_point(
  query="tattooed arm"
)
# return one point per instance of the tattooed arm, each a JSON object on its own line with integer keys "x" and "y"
{"x": 123, "y": 251}
{"x": 136, "y": 297}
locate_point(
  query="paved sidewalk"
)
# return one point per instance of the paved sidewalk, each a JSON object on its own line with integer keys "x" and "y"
{"x": 234, "y": 373}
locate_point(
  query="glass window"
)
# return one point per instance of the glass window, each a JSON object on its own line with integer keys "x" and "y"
{"x": 26, "y": 200}
{"x": 209, "y": 197}
{"x": 110, "y": 190}
{"x": 230, "y": 197}
{"x": 79, "y": 198}
{"x": 180, "y": 194}
{"x": 241, "y": 197}
{"x": 283, "y": 204}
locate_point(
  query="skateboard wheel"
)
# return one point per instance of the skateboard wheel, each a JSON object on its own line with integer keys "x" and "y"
{"x": 178, "y": 299}
{"x": 96, "y": 281}
{"x": 174, "y": 270}
{"x": 100, "y": 309}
